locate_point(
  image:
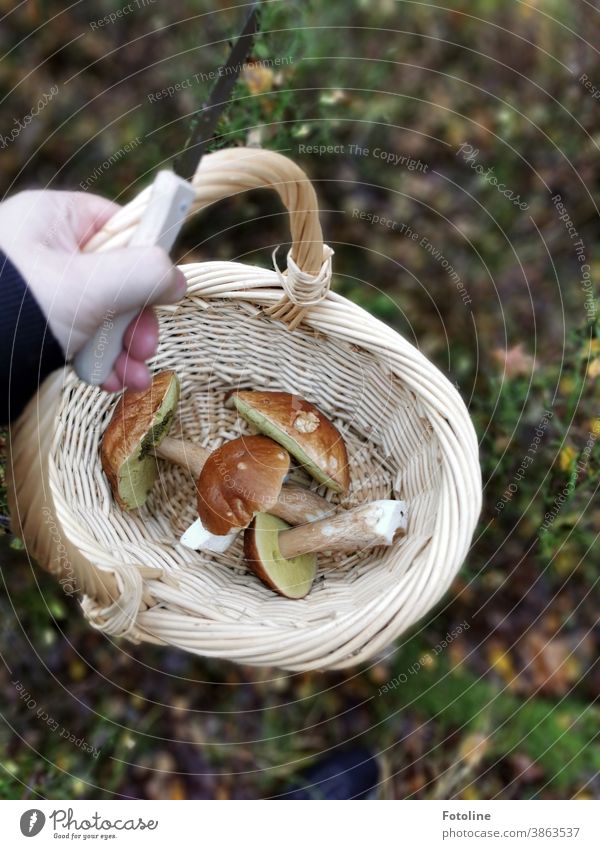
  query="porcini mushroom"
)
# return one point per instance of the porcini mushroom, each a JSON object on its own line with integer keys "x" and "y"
{"x": 242, "y": 477}
{"x": 302, "y": 429}
{"x": 284, "y": 558}
{"x": 140, "y": 421}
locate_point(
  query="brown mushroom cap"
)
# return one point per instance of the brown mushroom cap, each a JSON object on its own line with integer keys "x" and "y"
{"x": 303, "y": 430}
{"x": 241, "y": 478}
{"x": 139, "y": 422}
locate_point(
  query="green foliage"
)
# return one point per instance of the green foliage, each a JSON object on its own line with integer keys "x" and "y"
{"x": 559, "y": 737}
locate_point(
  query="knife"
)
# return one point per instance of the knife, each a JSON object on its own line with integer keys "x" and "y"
{"x": 170, "y": 200}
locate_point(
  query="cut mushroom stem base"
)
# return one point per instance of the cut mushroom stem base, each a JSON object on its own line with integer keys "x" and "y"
{"x": 367, "y": 526}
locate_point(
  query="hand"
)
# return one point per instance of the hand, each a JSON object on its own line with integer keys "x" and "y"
{"x": 42, "y": 232}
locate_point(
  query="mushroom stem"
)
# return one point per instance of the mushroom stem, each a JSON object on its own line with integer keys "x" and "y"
{"x": 366, "y": 526}
{"x": 296, "y": 505}
{"x": 184, "y": 453}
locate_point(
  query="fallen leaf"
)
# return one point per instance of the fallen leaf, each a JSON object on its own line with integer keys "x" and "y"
{"x": 566, "y": 457}
{"x": 473, "y": 748}
{"x": 593, "y": 370}
{"x": 591, "y": 348}
{"x": 552, "y": 666}
{"x": 524, "y": 769}
{"x": 380, "y": 673}
{"x": 502, "y": 663}
{"x": 470, "y": 793}
{"x": 514, "y": 361}
{"x": 258, "y": 78}
{"x": 176, "y": 789}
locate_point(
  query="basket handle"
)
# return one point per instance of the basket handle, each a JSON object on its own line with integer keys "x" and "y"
{"x": 227, "y": 172}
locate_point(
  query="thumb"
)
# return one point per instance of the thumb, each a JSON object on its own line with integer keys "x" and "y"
{"x": 87, "y": 213}
{"x": 130, "y": 278}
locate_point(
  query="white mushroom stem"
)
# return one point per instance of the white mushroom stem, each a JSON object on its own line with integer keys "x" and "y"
{"x": 296, "y": 505}
{"x": 367, "y": 526}
{"x": 199, "y": 539}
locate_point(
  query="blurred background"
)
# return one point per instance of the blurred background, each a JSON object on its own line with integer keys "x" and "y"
{"x": 463, "y": 124}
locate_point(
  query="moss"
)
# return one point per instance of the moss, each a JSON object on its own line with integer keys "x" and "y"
{"x": 138, "y": 473}
{"x": 156, "y": 434}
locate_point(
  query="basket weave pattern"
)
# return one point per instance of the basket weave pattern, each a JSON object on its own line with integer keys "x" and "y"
{"x": 407, "y": 430}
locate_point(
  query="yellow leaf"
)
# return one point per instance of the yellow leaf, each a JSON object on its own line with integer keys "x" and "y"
{"x": 594, "y": 369}
{"x": 473, "y": 748}
{"x": 428, "y": 661}
{"x": 591, "y": 348}
{"x": 77, "y": 670}
{"x": 379, "y": 673}
{"x": 567, "y": 457}
{"x": 258, "y": 78}
{"x": 470, "y": 793}
{"x": 177, "y": 789}
{"x": 564, "y": 562}
{"x": 584, "y": 794}
{"x": 566, "y": 385}
{"x": 502, "y": 663}
{"x": 456, "y": 132}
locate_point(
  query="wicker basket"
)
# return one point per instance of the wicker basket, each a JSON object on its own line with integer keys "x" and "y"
{"x": 407, "y": 430}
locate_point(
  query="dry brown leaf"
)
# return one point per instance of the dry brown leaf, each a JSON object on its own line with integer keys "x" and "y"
{"x": 552, "y": 666}
{"x": 258, "y": 78}
{"x": 514, "y": 361}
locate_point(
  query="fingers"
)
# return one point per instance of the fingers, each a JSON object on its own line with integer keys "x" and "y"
{"x": 112, "y": 383}
{"x": 141, "y": 337}
{"x": 132, "y": 373}
{"x": 140, "y": 343}
{"x": 127, "y": 374}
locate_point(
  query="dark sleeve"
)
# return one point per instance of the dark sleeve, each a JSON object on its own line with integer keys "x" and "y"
{"x": 28, "y": 349}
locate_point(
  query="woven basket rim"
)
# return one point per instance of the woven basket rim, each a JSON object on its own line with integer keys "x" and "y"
{"x": 335, "y": 318}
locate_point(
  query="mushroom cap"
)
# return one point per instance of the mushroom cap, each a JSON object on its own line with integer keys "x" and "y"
{"x": 291, "y": 578}
{"x": 303, "y": 430}
{"x": 241, "y": 478}
{"x": 139, "y": 422}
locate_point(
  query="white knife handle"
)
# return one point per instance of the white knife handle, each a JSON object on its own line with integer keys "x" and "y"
{"x": 169, "y": 204}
